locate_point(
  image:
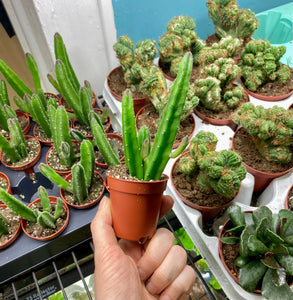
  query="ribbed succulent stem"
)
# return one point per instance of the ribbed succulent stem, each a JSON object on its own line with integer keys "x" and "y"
{"x": 79, "y": 184}
{"x": 4, "y": 228}
{"x": 87, "y": 160}
{"x": 17, "y": 138}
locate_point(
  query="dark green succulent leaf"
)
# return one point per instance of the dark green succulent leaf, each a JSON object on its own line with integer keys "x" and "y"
{"x": 280, "y": 249}
{"x": 274, "y": 237}
{"x": 290, "y": 249}
{"x": 248, "y": 219}
{"x": 286, "y": 217}
{"x": 261, "y": 230}
{"x": 289, "y": 239}
{"x": 243, "y": 245}
{"x": 260, "y": 213}
{"x": 241, "y": 261}
{"x": 256, "y": 246}
{"x": 236, "y": 215}
{"x": 272, "y": 288}
{"x": 286, "y": 261}
{"x": 270, "y": 262}
{"x": 230, "y": 240}
{"x": 236, "y": 229}
{"x": 251, "y": 274}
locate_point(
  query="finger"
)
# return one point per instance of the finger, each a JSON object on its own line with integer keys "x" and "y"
{"x": 167, "y": 204}
{"x": 181, "y": 286}
{"x": 132, "y": 249}
{"x": 163, "y": 241}
{"x": 168, "y": 270}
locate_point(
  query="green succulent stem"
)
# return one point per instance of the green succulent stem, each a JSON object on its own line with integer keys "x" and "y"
{"x": 79, "y": 183}
{"x": 4, "y": 228}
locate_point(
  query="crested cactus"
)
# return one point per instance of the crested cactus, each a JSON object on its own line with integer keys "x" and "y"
{"x": 271, "y": 130}
{"x": 230, "y": 20}
{"x": 43, "y": 216}
{"x": 215, "y": 172}
{"x": 215, "y": 87}
{"x": 260, "y": 64}
{"x": 179, "y": 39}
{"x": 265, "y": 249}
{"x": 82, "y": 173}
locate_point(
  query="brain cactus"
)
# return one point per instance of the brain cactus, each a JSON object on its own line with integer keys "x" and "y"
{"x": 230, "y": 20}
{"x": 260, "y": 63}
{"x": 179, "y": 39}
{"x": 216, "y": 172}
{"x": 215, "y": 86}
{"x": 270, "y": 128}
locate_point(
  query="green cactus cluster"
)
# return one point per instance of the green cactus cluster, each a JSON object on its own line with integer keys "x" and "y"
{"x": 82, "y": 173}
{"x": 265, "y": 242}
{"x": 271, "y": 130}
{"x": 215, "y": 172}
{"x": 43, "y": 216}
{"x": 260, "y": 64}
{"x": 215, "y": 87}
{"x": 230, "y": 20}
{"x": 179, "y": 39}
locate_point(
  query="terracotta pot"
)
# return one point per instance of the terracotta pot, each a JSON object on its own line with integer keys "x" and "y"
{"x": 261, "y": 179}
{"x": 135, "y": 206}
{"x": 287, "y": 199}
{"x": 138, "y": 103}
{"x": 219, "y": 122}
{"x": 87, "y": 205}
{"x": 94, "y": 99}
{"x": 28, "y": 167}
{"x": 53, "y": 200}
{"x": 106, "y": 129}
{"x": 13, "y": 236}
{"x": 27, "y": 128}
{"x": 207, "y": 212}
{"x": 116, "y": 136}
{"x": 265, "y": 98}
{"x": 5, "y": 177}
{"x": 175, "y": 145}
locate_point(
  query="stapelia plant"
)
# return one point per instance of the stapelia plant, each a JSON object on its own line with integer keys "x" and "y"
{"x": 179, "y": 39}
{"x": 260, "y": 64}
{"x": 215, "y": 87}
{"x": 219, "y": 172}
{"x": 43, "y": 217}
{"x": 66, "y": 83}
{"x": 145, "y": 162}
{"x": 271, "y": 130}
{"x": 230, "y": 20}
{"x": 4, "y": 227}
{"x": 265, "y": 249}
{"x": 82, "y": 173}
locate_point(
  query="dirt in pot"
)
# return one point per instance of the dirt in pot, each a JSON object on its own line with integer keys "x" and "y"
{"x": 13, "y": 222}
{"x": 40, "y": 134}
{"x": 94, "y": 192}
{"x": 23, "y": 122}
{"x": 149, "y": 117}
{"x": 34, "y": 229}
{"x": 3, "y": 184}
{"x": 245, "y": 147}
{"x": 192, "y": 192}
{"x": 118, "y": 85}
{"x": 32, "y": 147}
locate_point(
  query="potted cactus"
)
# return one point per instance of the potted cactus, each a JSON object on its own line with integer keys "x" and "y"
{"x": 229, "y": 20}
{"x": 264, "y": 141}
{"x": 83, "y": 186}
{"x": 205, "y": 179}
{"x": 19, "y": 152}
{"x": 179, "y": 39}
{"x": 136, "y": 187}
{"x": 218, "y": 96}
{"x": 256, "y": 249}
{"x": 10, "y": 227}
{"x": 44, "y": 218}
{"x": 263, "y": 76}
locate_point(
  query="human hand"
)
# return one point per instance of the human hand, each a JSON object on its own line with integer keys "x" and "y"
{"x": 129, "y": 270}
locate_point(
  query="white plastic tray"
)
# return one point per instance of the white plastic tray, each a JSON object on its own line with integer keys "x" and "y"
{"x": 273, "y": 196}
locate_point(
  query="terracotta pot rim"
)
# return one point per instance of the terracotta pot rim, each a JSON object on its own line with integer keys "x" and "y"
{"x": 166, "y": 177}
{"x": 15, "y": 234}
{"x": 87, "y": 205}
{"x": 5, "y": 177}
{"x": 53, "y": 199}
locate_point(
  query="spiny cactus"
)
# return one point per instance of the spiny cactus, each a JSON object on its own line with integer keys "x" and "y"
{"x": 43, "y": 217}
{"x": 215, "y": 87}
{"x": 218, "y": 172}
{"x": 82, "y": 173}
{"x": 179, "y": 39}
{"x": 230, "y": 20}
{"x": 260, "y": 64}
{"x": 271, "y": 130}
{"x": 265, "y": 249}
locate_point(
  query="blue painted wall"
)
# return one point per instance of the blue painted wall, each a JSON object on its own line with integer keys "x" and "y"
{"x": 142, "y": 19}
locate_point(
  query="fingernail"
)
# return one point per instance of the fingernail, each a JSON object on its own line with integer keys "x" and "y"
{"x": 142, "y": 274}
{"x": 151, "y": 288}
